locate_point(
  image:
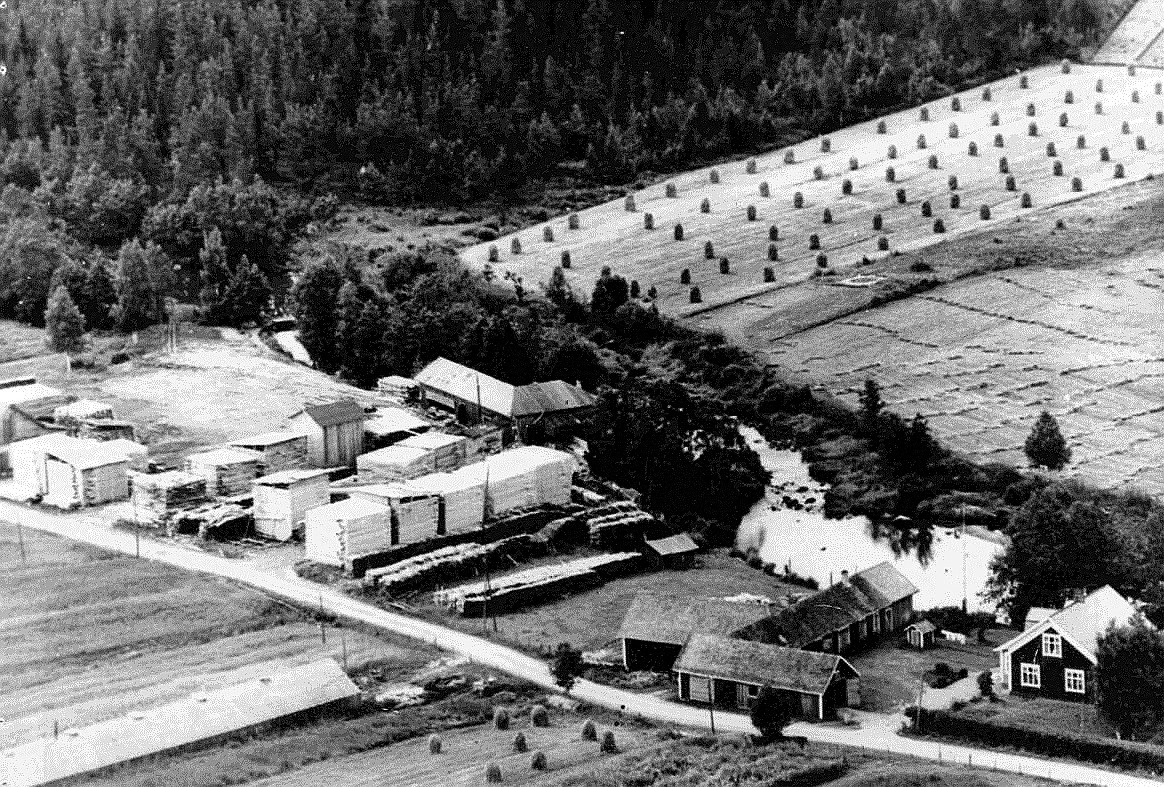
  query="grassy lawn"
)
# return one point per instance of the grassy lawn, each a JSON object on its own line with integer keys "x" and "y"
{"x": 891, "y": 673}
{"x": 1044, "y": 714}
{"x": 18, "y": 340}
{"x": 590, "y": 620}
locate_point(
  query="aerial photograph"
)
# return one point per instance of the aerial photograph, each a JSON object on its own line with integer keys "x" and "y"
{"x": 581, "y": 393}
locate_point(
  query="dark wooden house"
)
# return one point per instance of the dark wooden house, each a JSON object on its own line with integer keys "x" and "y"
{"x": 729, "y": 673}
{"x": 677, "y": 551}
{"x": 335, "y": 432}
{"x": 1056, "y": 658}
{"x": 656, "y": 627}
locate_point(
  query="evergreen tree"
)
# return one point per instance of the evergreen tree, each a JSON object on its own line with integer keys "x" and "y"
{"x": 871, "y": 405}
{"x": 1130, "y": 679}
{"x": 363, "y": 329}
{"x": 247, "y": 293}
{"x": 1045, "y": 445}
{"x": 769, "y": 713}
{"x": 214, "y": 274}
{"x": 99, "y": 295}
{"x": 314, "y": 305}
{"x": 610, "y": 292}
{"x": 138, "y": 299}
{"x": 63, "y": 322}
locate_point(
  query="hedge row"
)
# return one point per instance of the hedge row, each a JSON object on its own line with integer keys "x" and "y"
{"x": 1121, "y": 754}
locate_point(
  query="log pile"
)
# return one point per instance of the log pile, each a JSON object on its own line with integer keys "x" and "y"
{"x": 450, "y": 564}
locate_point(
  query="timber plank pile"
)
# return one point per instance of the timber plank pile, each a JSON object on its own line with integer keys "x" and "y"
{"x": 155, "y": 496}
{"x": 619, "y": 525}
{"x": 449, "y": 564}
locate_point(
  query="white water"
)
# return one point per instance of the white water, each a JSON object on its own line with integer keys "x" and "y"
{"x": 821, "y": 548}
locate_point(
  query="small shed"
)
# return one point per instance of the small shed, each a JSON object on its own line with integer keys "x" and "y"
{"x": 335, "y": 432}
{"x": 339, "y": 532}
{"x": 155, "y": 496}
{"x": 448, "y": 450}
{"x": 26, "y": 458}
{"x": 677, "y": 551}
{"x": 228, "y": 471}
{"x": 395, "y": 463}
{"x": 85, "y": 473}
{"x": 390, "y": 425}
{"x": 415, "y": 510}
{"x": 278, "y": 450}
{"x": 921, "y": 635}
{"x": 283, "y": 499}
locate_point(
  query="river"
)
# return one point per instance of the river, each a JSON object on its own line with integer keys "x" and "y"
{"x": 821, "y": 548}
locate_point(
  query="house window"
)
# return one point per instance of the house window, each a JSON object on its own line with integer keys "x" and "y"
{"x": 699, "y": 689}
{"x": 1052, "y": 645}
{"x": 889, "y": 619}
{"x": 753, "y": 691}
{"x": 1029, "y": 676}
{"x": 1074, "y": 681}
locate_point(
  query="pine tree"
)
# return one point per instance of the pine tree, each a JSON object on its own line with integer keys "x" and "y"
{"x": 313, "y": 300}
{"x": 214, "y": 274}
{"x": 363, "y": 331}
{"x": 871, "y": 405}
{"x": 138, "y": 299}
{"x": 1045, "y": 445}
{"x": 247, "y": 293}
{"x": 99, "y": 295}
{"x": 63, "y": 322}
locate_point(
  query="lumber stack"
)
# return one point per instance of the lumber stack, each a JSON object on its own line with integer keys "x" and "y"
{"x": 155, "y": 496}
{"x": 450, "y": 564}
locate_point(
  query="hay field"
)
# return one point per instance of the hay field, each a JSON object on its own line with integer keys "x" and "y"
{"x": 1087, "y": 345}
{"x": 610, "y": 235}
{"x": 87, "y": 635}
{"x": 1137, "y": 38}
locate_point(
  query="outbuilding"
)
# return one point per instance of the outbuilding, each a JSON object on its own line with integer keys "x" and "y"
{"x": 26, "y": 458}
{"x": 282, "y": 500}
{"x": 339, "y": 532}
{"x": 85, "y": 473}
{"x": 921, "y": 635}
{"x": 677, "y": 551}
{"x": 656, "y": 627}
{"x": 228, "y": 471}
{"x": 277, "y": 450}
{"x": 26, "y": 409}
{"x": 335, "y": 432}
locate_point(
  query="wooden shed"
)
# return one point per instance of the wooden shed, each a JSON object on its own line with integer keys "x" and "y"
{"x": 335, "y": 432}
{"x": 26, "y": 458}
{"x": 677, "y": 551}
{"x": 283, "y": 499}
{"x": 339, "y": 532}
{"x": 278, "y": 450}
{"x": 228, "y": 471}
{"x": 921, "y": 635}
{"x": 85, "y": 473}
{"x": 26, "y": 409}
{"x": 415, "y": 510}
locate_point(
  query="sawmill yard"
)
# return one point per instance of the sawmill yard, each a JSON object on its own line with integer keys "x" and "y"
{"x": 996, "y": 319}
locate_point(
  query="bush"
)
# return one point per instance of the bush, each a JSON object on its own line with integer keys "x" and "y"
{"x": 765, "y": 191}
{"x": 773, "y": 233}
{"x": 927, "y": 209}
{"x": 846, "y": 187}
{"x": 826, "y": 145}
{"x": 705, "y": 205}
{"x": 986, "y": 683}
{"x": 751, "y": 166}
{"x": 901, "y": 196}
{"x": 818, "y": 172}
{"x": 608, "y": 746}
{"x": 548, "y": 234}
{"x": 713, "y": 176}
{"x": 519, "y": 744}
{"x": 515, "y": 245}
{"x": 972, "y": 149}
{"x": 881, "y": 127}
{"x": 695, "y": 296}
{"x": 678, "y": 232}
{"x": 890, "y": 175}
{"x": 565, "y": 258}
{"x": 629, "y": 202}
{"x": 493, "y": 773}
{"x": 955, "y": 201}
{"x": 924, "y": 114}
{"x": 827, "y": 216}
{"x": 798, "y": 200}
{"x": 986, "y": 94}
{"x": 648, "y": 221}
{"x": 769, "y": 275}
{"x": 984, "y": 212}
{"x": 1060, "y": 224}
{"x": 956, "y": 104}
{"x": 942, "y": 669}
{"x": 790, "y": 157}
{"x": 538, "y": 761}
{"x": 671, "y": 191}
{"x": 539, "y": 716}
{"x": 434, "y": 744}
{"x": 751, "y": 213}
{"x": 589, "y": 731}
{"x": 724, "y": 265}
{"x": 1025, "y": 200}
{"x": 883, "y": 243}
{"x": 494, "y": 254}
{"x": 822, "y": 261}
{"x": 708, "y": 250}
{"x": 878, "y": 220}
{"x": 685, "y": 276}
{"x": 921, "y": 267}
{"x": 501, "y": 718}
{"x": 813, "y": 242}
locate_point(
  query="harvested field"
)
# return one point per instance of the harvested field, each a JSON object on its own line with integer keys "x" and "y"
{"x": 611, "y": 235}
{"x": 18, "y": 340}
{"x": 1137, "y": 38}
{"x": 87, "y": 636}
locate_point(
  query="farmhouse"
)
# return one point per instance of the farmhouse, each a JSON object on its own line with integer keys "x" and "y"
{"x": 656, "y": 627}
{"x": 277, "y": 450}
{"x": 729, "y": 673}
{"x": 1056, "y": 657}
{"x": 339, "y": 532}
{"x": 335, "y": 432}
{"x": 283, "y": 499}
{"x": 474, "y": 396}
{"x": 84, "y": 473}
{"x": 228, "y": 471}
{"x": 845, "y": 617}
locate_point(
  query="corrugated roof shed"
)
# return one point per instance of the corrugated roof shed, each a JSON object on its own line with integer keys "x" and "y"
{"x": 338, "y": 412}
{"x": 468, "y": 384}
{"x": 758, "y": 664}
{"x": 673, "y": 619}
{"x": 679, "y": 544}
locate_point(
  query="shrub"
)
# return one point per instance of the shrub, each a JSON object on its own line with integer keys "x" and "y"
{"x": 565, "y": 258}
{"x": 515, "y": 246}
{"x": 629, "y": 203}
{"x": 608, "y": 746}
{"x": 1081, "y": 142}
{"x": 1060, "y": 224}
{"x": 1057, "y": 169}
{"x": 790, "y": 157}
{"x": 434, "y": 744}
{"x": 972, "y": 148}
{"x": 892, "y": 152}
{"x": 939, "y": 226}
{"x": 1031, "y": 110}
{"x": 685, "y": 276}
{"x": 1141, "y": 144}
{"x": 1104, "y": 154}
{"x": 955, "y": 201}
{"x": 999, "y": 141}
{"x": 1033, "y": 129}
{"x": 705, "y": 205}
{"x": 678, "y": 232}
{"x": 589, "y": 731}
{"x": 769, "y": 275}
{"x": 1011, "y": 184}
{"x": 921, "y": 141}
{"x": 695, "y": 296}
{"x": 708, "y": 250}
{"x": 986, "y": 94}
{"x": 986, "y": 683}
{"x": 822, "y": 261}
{"x": 648, "y": 221}
{"x": 826, "y": 145}
{"x": 927, "y": 210}
{"x": 538, "y": 761}
{"x": 493, "y": 773}
{"x": 924, "y": 114}
{"x": 548, "y": 234}
{"x": 881, "y": 127}
{"x": 798, "y": 200}
{"x": 890, "y": 174}
{"x": 652, "y": 292}
{"x": 1076, "y": 184}
{"x": 773, "y": 233}
{"x": 956, "y": 104}
{"x": 853, "y": 163}
{"x": 773, "y": 252}
{"x": 501, "y": 718}
{"x": 1135, "y": 96}
{"x": 764, "y": 190}
{"x": 1051, "y": 150}
{"x": 984, "y": 212}
{"x": 1024, "y": 83}
{"x": 1003, "y": 165}
{"x": 494, "y": 255}
{"x": 818, "y": 172}
{"x": 724, "y": 265}
{"x": 952, "y": 182}
{"x": 901, "y": 196}
{"x": 933, "y": 161}
{"x": 519, "y": 744}
{"x": 878, "y": 220}
{"x": 1126, "y": 128}
{"x": 750, "y": 167}
{"x": 827, "y": 217}
{"x": 1025, "y": 200}
{"x": 1119, "y": 170}
{"x": 994, "y": 119}
{"x": 883, "y": 243}
{"x": 713, "y": 176}
{"x": 671, "y": 190}
{"x": 751, "y": 213}
{"x": 814, "y": 242}
{"x": 846, "y": 186}
{"x": 953, "y": 131}
{"x": 1065, "y": 66}
{"x": 539, "y": 716}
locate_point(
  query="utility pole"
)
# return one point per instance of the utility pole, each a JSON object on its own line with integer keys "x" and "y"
{"x": 20, "y": 541}
{"x": 485, "y": 557}
{"x": 322, "y": 624}
{"x": 965, "y": 594}
{"x": 711, "y": 702}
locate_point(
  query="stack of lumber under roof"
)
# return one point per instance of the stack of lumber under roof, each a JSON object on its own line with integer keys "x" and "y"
{"x": 155, "y": 496}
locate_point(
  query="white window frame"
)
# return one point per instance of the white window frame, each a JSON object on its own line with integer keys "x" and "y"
{"x": 1030, "y": 676}
{"x": 1075, "y": 681}
{"x": 753, "y": 691}
{"x": 1052, "y": 645}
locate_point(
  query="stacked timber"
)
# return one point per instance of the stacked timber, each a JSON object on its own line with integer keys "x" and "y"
{"x": 339, "y": 532}
{"x": 450, "y": 564}
{"x": 217, "y": 521}
{"x": 396, "y": 387}
{"x": 278, "y": 450}
{"x": 156, "y": 496}
{"x": 395, "y": 463}
{"x": 448, "y": 451}
{"x": 618, "y": 529}
{"x": 462, "y": 495}
{"x": 71, "y": 415}
{"x": 528, "y": 476}
{"x": 283, "y": 499}
{"x": 535, "y": 585}
{"x": 228, "y": 471}
{"x": 415, "y": 511}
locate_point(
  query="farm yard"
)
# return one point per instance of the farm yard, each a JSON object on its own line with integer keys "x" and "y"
{"x": 904, "y": 180}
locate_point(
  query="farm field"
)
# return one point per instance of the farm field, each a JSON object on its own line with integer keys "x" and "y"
{"x": 1137, "y": 38}
{"x": 610, "y": 235}
{"x": 18, "y": 340}
{"x": 218, "y": 386}
{"x": 87, "y": 636}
